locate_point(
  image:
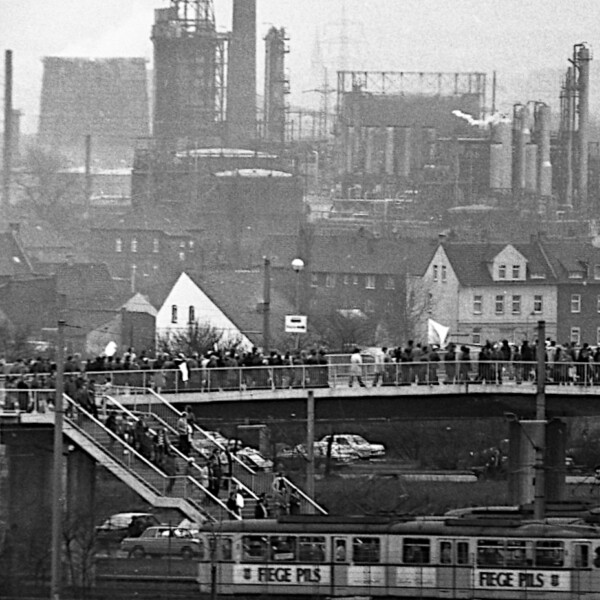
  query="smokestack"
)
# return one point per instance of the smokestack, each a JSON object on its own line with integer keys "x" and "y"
{"x": 582, "y": 60}
{"x": 8, "y": 121}
{"x": 241, "y": 79}
{"x": 542, "y": 126}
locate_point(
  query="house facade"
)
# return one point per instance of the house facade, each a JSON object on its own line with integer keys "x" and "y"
{"x": 489, "y": 291}
{"x": 185, "y": 304}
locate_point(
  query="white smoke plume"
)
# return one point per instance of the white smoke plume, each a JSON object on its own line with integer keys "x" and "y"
{"x": 493, "y": 119}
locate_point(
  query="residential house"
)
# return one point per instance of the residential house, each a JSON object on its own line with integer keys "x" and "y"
{"x": 487, "y": 291}
{"x": 228, "y": 301}
{"x": 577, "y": 269}
{"x": 355, "y": 272}
{"x": 147, "y": 246}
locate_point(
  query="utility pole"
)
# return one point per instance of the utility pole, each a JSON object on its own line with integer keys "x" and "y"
{"x": 310, "y": 444}
{"x": 267, "y": 307}
{"x": 540, "y": 416}
{"x": 88, "y": 175}
{"x": 57, "y": 487}
{"x": 8, "y": 123}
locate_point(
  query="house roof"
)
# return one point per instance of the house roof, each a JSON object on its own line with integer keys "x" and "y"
{"x": 139, "y": 304}
{"x": 148, "y": 218}
{"x": 470, "y": 261}
{"x": 239, "y": 295}
{"x": 354, "y": 252}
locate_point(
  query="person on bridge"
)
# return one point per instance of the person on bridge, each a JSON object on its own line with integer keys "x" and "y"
{"x": 356, "y": 368}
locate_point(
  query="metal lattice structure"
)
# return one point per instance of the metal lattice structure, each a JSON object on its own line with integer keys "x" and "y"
{"x": 189, "y": 72}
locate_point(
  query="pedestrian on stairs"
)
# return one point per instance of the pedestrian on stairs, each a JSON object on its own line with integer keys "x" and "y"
{"x": 232, "y": 504}
{"x": 261, "y": 510}
{"x": 183, "y": 431}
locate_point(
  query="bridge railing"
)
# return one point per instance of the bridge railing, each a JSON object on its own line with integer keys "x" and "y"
{"x": 308, "y": 376}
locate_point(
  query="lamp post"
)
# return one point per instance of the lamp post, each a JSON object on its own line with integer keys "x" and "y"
{"x": 298, "y": 266}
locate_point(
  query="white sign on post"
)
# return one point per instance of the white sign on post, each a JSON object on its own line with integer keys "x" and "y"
{"x": 295, "y": 324}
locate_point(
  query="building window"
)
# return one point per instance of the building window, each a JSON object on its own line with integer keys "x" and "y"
{"x": 477, "y": 305}
{"x": 575, "y": 275}
{"x": 575, "y": 303}
{"x": 330, "y": 280}
{"x": 516, "y": 272}
{"x": 499, "y": 305}
{"x": 354, "y": 279}
{"x": 430, "y": 303}
{"x": 191, "y": 244}
{"x": 516, "y": 305}
{"x": 597, "y": 336}
{"x": 435, "y": 272}
{"x": 346, "y": 279}
{"x": 182, "y": 245}
{"x": 538, "y": 304}
{"x": 155, "y": 245}
{"x": 174, "y": 313}
{"x": 134, "y": 244}
{"x": 118, "y": 245}
{"x": 191, "y": 315}
{"x": 444, "y": 274}
{"x": 314, "y": 280}
{"x": 576, "y": 335}
{"x": 598, "y": 303}
{"x": 502, "y": 272}
{"x": 390, "y": 283}
{"x": 596, "y": 271}
{"x": 369, "y": 306}
{"x": 182, "y": 256}
{"x": 370, "y": 282}
{"x": 476, "y": 336}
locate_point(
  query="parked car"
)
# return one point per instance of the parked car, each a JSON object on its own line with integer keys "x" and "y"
{"x": 356, "y": 443}
{"x": 122, "y": 525}
{"x": 162, "y": 541}
{"x": 338, "y": 452}
{"x": 254, "y": 459}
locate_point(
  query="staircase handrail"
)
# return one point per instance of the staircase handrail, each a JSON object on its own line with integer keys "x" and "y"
{"x": 177, "y": 453}
{"x": 202, "y": 431}
{"x": 305, "y": 496}
{"x": 114, "y": 436}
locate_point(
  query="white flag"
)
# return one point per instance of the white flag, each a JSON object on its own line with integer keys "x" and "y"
{"x": 184, "y": 371}
{"x": 436, "y": 333}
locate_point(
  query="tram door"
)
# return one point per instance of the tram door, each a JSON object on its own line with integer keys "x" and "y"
{"x": 340, "y": 560}
{"x": 454, "y": 574}
{"x": 586, "y": 569}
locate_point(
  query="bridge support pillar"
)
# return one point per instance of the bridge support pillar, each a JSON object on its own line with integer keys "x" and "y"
{"x": 29, "y": 505}
{"x": 524, "y": 437}
{"x": 81, "y": 491}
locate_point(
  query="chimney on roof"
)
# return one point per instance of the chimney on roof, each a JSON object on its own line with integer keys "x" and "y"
{"x": 442, "y": 237}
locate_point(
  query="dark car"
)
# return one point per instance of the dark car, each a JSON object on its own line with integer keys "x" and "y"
{"x": 122, "y": 525}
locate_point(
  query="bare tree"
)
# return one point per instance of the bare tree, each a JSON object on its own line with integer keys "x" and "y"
{"x": 196, "y": 338}
{"x": 345, "y": 329}
{"x": 44, "y": 184}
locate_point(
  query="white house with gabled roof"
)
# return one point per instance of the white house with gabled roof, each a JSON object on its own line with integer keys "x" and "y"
{"x": 185, "y": 304}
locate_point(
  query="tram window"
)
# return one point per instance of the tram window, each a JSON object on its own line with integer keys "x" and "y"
{"x": 366, "y": 550}
{"x": 516, "y": 554}
{"x": 597, "y": 557}
{"x": 446, "y": 553}
{"x": 416, "y": 551}
{"x": 283, "y": 548}
{"x": 549, "y": 554}
{"x": 582, "y": 556}
{"x": 226, "y": 549}
{"x": 490, "y": 553}
{"x": 254, "y": 548}
{"x": 462, "y": 553}
{"x": 340, "y": 551}
{"x": 311, "y": 549}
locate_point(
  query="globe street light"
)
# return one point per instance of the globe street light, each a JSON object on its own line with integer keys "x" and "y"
{"x": 298, "y": 266}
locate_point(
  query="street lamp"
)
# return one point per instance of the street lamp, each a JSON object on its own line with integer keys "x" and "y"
{"x": 298, "y": 266}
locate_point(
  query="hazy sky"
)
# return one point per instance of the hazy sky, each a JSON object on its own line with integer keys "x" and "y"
{"x": 509, "y": 36}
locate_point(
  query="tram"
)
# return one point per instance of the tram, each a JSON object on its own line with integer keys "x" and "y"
{"x": 460, "y": 556}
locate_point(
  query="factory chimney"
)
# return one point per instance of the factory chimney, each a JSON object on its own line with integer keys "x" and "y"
{"x": 581, "y": 58}
{"x": 241, "y": 78}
